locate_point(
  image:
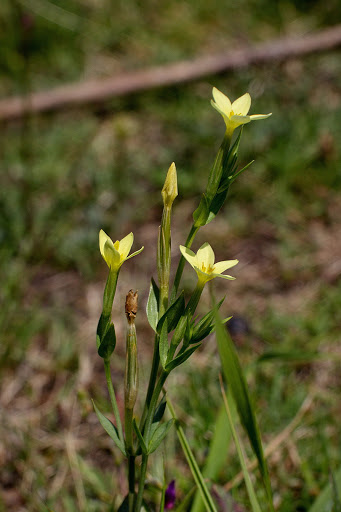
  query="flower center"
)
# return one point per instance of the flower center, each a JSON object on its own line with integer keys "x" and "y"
{"x": 207, "y": 270}
{"x": 117, "y": 245}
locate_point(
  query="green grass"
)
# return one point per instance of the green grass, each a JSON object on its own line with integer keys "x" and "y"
{"x": 68, "y": 174}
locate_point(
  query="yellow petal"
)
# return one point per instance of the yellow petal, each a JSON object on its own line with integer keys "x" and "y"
{"x": 205, "y": 256}
{"x": 103, "y": 238}
{"x": 188, "y": 255}
{"x": 125, "y": 246}
{"x": 111, "y": 256}
{"x": 222, "y": 102}
{"x": 135, "y": 253}
{"x": 224, "y": 276}
{"x": 260, "y": 116}
{"x": 221, "y": 266}
{"x": 242, "y": 105}
{"x": 238, "y": 120}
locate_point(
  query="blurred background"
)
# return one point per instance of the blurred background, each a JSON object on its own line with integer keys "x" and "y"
{"x": 68, "y": 172}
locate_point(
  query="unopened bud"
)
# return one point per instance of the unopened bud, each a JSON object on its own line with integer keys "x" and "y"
{"x": 170, "y": 188}
{"x": 131, "y": 372}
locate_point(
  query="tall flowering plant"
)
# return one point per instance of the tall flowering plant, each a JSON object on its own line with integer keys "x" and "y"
{"x": 178, "y": 333}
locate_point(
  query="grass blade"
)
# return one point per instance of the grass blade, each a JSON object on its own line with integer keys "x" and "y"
{"x": 217, "y": 455}
{"x": 198, "y": 478}
{"x": 248, "y": 483}
{"x": 234, "y": 375}
{"x": 326, "y": 499}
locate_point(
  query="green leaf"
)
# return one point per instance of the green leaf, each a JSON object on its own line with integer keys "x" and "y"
{"x": 124, "y": 507}
{"x": 217, "y": 455}
{"x": 240, "y": 451}
{"x": 153, "y": 305}
{"x": 163, "y": 344}
{"x": 181, "y": 358}
{"x": 102, "y": 328}
{"x": 201, "y": 213}
{"x": 159, "y": 435}
{"x": 326, "y": 499}
{"x": 198, "y": 478}
{"x": 173, "y": 314}
{"x": 216, "y": 204}
{"x": 109, "y": 428}
{"x": 140, "y": 437}
{"x": 108, "y": 343}
{"x": 206, "y": 325}
{"x": 160, "y": 410}
{"x": 179, "y": 333}
{"x": 236, "y": 380}
{"x": 232, "y": 178}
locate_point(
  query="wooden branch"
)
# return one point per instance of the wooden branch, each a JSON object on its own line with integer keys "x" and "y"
{"x": 100, "y": 90}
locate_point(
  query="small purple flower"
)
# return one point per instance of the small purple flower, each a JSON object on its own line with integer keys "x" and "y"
{"x": 170, "y": 496}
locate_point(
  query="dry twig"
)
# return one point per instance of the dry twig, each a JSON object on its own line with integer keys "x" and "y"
{"x": 100, "y": 90}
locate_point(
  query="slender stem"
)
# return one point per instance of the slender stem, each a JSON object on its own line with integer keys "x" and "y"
{"x": 143, "y": 473}
{"x": 131, "y": 482}
{"x": 181, "y": 264}
{"x": 148, "y": 424}
{"x": 113, "y": 398}
{"x": 152, "y": 380}
{"x": 163, "y": 265}
{"x": 109, "y": 292}
{"x": 128, "y": 429}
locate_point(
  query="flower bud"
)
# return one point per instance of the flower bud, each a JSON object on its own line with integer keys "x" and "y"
{"x": 131, "y": 372}
{"x": 170, "y": 188}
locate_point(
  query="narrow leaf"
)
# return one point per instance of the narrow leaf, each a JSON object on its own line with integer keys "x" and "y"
{"x": 236, "y": 380}
{"x": 232, "y": 178}
{"x": 140, "y": 437}
{"x": 201, "y": 213}
{"x": 153, "y": 305}
{"x": 324, "y": 502}
{"x": 108, "y": 343}
{"x": 217, "y": 456}
{"x": 198, "y": 478}
{"x": 102, "y": 327}
{"x": 159, "y": 412}
{"x": 173, "y": 314}
{"x": 159, "y": 436}
{"x": 109, "y": 428}
{"x": 181, "y": 358}
{"x": 240, "y": 451}
{"x": 163, "y": 345}
{"x": 124, "y": 507}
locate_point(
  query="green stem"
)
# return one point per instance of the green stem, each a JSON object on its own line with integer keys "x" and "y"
{"x": 131, "y": 457}
{"x": 143, "y": 473}
{"x": 152, "y": 380}
{"x": 113, "y": 398}
{"x": 149, "y": 422}
{"x": 163, "y": 265}
{"x": 109, "y": 292}
{"x": 181, "y": 264}
{"x": 131, "y": 482}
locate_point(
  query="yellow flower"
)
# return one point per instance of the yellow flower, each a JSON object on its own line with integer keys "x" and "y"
{"x": 116, "y": 253}
{"x": 236, "y": 113}
{"x": 203, "y": 263}
{"x": 170, "y": 188}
